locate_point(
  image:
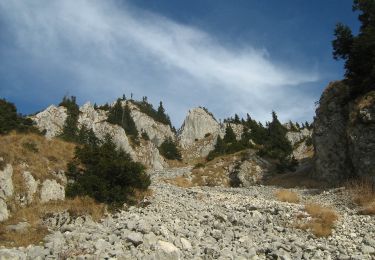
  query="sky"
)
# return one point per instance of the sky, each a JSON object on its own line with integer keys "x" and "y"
{"x": 243, "y": 56}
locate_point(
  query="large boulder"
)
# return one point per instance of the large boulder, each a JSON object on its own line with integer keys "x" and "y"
{"x": 148, "y": 154}
{"x": 344, "y": 134}
{"x": 6, "y": 190}
{"x": 51, "y": 190}
{"x": 31, "y": 186}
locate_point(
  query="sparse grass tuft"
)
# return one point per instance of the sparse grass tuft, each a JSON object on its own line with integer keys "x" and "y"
{"x": 362, "y": 193}
{"x": 322, "y": 222}
{"x": 287, "y": 196}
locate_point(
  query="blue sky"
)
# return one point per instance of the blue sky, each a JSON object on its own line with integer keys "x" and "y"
{"x": 241, "y": 56}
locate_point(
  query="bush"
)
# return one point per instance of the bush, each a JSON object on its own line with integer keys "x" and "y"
{"x": 105, "y": 173}
{"x": 169, "y": 150}
{"x": 145, "y": 136}
{"x": 11, "y": 120}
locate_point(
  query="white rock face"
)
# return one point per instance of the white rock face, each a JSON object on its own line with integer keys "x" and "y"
{"x": 96, "y": 120}
{"x": 237, "y": 129}
{"x": 6, "y": 190}
{"x": 31, "y": 186}
{"x": 197, "y": 124}
{"x": 295, "y": 137}
{"x": 156, "y": 131}
{"x": 6, "y": 183}
{"x": 51, "y": 190}
{"x": 4, "y": 213}
{"x": 52, "y": 120}
{"x": 148, "y": 154}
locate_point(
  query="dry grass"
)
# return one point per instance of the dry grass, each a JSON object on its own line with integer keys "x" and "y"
{"x": 34, "y": 153}
{"x": 35, "y": 213}
{"x": 294, "y": 180}
{"x": 322, "y": 222}
{"x": 180, "y": 181}
{"x": 362, "y": 193}
{"x": 287, "y": 196}
{"x": 140, "y": 195}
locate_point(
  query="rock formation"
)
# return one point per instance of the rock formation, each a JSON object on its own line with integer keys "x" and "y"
{"x": 344, "y": 134}
{"x": 156, "y": 131}
{"x": 6, "y": 190}
{"x": 51, "y": 120}
{"x": 198, "y": 124}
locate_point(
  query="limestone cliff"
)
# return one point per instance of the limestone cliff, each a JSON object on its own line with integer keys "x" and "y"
{"x": 51, "y": 121}
{"x": 344, "y": 134}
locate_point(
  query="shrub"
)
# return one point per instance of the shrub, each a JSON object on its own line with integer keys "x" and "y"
{"x": 11, "y": 120}
{"x": 105, "y": 173}
{"x": 169, "y": 150}
{"x": 199, "y": 165}
{"x": 145, "y": 136}
{"x": 287, "y": 196}
{"x": 31, "y": 146}
{"x": 362, "y": 192}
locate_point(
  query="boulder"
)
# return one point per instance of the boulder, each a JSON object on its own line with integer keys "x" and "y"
{"x": 4, "y": 213}
{"x": 168, "y": 251}
{"x": 51, "y": 190}
{"x": 31, "y": 186}
{"x": 148, "y": 154}
{"x": 6, "y": 183}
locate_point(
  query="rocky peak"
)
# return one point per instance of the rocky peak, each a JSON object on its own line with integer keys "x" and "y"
{"x": 156, "y": 131}
{"x": 51, "y": 120}
{"x": 197, "y": 124}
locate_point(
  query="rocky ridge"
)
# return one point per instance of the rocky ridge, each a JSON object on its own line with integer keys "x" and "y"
{"x": 206, "y": 223}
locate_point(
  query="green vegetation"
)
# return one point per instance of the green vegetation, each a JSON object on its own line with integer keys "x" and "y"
{"x": 121, "y": 116}
{"x": 358, "y": 51}
{"x": 105, "y": 173}
{"x": 169, "y": 150}
{"x": 270, "y": 140}
{"x": 11, "y": 120}
{"x": 145, "y": 136}
{"x": 70, "y": 128}
{"x": 158, "y": 115}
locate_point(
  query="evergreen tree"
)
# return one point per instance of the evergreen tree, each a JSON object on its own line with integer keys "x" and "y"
{"x": 11, "y": 120}
{"x": 358, "y": 51}
{"x": 107, "y": 174}
{"x": 121, "y": 116}
{"x": 169, "y": 150}
{"x": 70, "y": 128}
{"x": 230, "y": 136}
{"x": 236, "y": 119}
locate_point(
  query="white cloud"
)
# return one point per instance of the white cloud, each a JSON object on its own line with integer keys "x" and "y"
{"x": 108, "y": 49}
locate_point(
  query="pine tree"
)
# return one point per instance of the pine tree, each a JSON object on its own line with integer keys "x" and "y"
{"x": 70, "y": 128}
{"x": 169, "y": 150}
{"x": 230, "y": 136}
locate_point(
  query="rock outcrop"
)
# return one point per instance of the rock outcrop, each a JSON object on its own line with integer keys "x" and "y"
{"x": 51, "y": 120}
{"x": 51, "y": 190}
{"x": 344, "y": 134}
{"x": 6, "y": 190}
{"x": 156, "y": 131}
{"x": 198, "y": 124}
{"x": 31, "y": 186}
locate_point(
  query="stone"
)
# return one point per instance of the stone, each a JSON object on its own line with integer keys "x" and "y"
{"x": 12, "y": 254}
{"x": 31, "y": 186}
{"x": 185, "y": 243}
{"x": 6, "y": 183}
{"x": 21, "y": 227}
{"x": 135, "y": 238}
{"x": 51, "y": 190}
{"x": 166, "y": 250}
{"x": 4, "y": 213}
{"x": 367, "y": 249}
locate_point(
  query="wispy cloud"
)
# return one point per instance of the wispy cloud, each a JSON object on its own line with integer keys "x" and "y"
{"x": 107, "y": 48}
